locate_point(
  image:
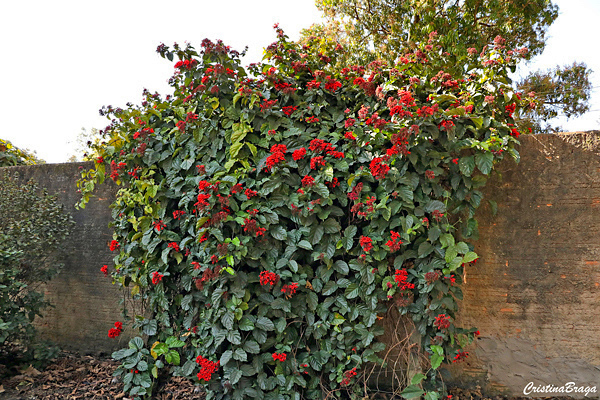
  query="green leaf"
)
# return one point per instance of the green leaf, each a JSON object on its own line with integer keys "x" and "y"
{"x": 341, "y": 267}
{"x": 330, "y": 225}
{"x": 251, "y": 346}
{"x": 484, "y": 162}
{"x": 466, "y": 165}
{"x": 172, "y": 342}
{"x": 234, "y": 337}
{"x": 411, "y": 392}
{"x": 235, "y": 149}
{"x": 265, "y": 324}
{"x": 278, "y": 233}
{"x": 352, "y": 291}
{"x": 227, "y": 320}
{"x": 417, "y": 378}
{"x": 304, "y": 244}
{"x": 312, "y": 301}
{"x": 245, "y": 324}
{"x": 436, "y": 360}
{"x": 470, "y": 257}
{"x": 234, "y": 376}
{"x": 447, "y": 240}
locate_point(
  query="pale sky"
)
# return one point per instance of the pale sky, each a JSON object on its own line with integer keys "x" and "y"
{"x": 63, "y": 60}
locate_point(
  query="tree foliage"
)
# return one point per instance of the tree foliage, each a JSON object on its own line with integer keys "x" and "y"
{"x": 560, "y": 91}
{"x": 268, "y": 221}
{"x": 384, "y": 29}
{"x": 11, "y": 155}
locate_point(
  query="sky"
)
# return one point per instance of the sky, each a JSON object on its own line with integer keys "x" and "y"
{"x": 68, "y": 58}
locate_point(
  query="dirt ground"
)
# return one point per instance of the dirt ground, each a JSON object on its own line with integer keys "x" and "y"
{"x": 74, "y": 377}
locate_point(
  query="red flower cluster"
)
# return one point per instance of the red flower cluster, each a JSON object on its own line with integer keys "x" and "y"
{"x": 279, "y": 356}
{"x": 299, "y": 154}
{"x": 426, "y": 111}
{"x": 289, "y": 110}
{"x": 273, "y": 160}
{"x": 437, "y": 215}
{"x": 334, "y": 182}
{"x": 312, "y": 119}
{"x": 348, "y": 375}
{"x": 446, "y": 126}
{"x": 366, "y": 243}
{"x": 174, "y": 246}
{"x": 355, "y": 192}
{"x": 394, "y": 243}
{"x": 350, "y": 136}
{"x": 442, "y": 321}
{"x": 188, "y": 64}
{"x": 350, "y": 122}
{"x": 177, "y": 214}
{"x": 510, "y": 109}
{"x": 429, "y": 174}
{"x": 250, "y": 193}
{"x": 114, "y": 245}
{"x": 267, "y": 104}
{"x": 159, "y": 225}
{"x": 406, "y": 98}
{"x": 320, "y": 145}
{"x": 250, "y": 226}
{"x": 237, "y": 188}
{"x": 460, "y": 356}
{"x": 314, "y": 84}
{"x": 378, "y": 168}
{"x": 207, "y": 368}
{"x": 400, "y": 278}
{"x": 104, "y": 270}
{"x": 432, "y": 276}
{"x": 156, "y": 277}
{"x": 116, "y": 331}
{"x": 290, "y": 289}
{"x": 268, "y": 278}
{"x": 316, "y": 162}
{"x": 332, "y": 85}
{"x": 308, "y": 181}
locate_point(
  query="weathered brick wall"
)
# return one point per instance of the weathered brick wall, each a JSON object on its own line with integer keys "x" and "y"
{"x": 535, "y": 293}
{"x": 86, "y": 303}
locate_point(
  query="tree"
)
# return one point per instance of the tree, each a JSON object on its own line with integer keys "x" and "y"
{"x": 84, "y": 141}
{"x": 385, "y": 29}
{"x": 11, "y": 155}
{"x": 560, "y": 91}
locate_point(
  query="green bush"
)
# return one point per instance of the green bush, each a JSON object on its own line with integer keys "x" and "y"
{"x": 11, "y": 155}
{"x": 267, "y": 221}
{"x": 32, "y": 226}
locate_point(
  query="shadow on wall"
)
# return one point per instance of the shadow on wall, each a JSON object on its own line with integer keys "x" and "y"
{"x": 86, "y": 304}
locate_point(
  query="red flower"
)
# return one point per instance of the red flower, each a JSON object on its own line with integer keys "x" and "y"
{"x": 429, "y": 174}
{"x": 289, "y": 110}
{"x": 312, "y": 119}
{"x": 268, "y": 278}
{"x": 274, "y": 159}
{"x": 349, "y": 122}
{"x": 236, "y": 188}
{"x": 442, "y": 321}
{"x": 366, "y": 243}
{"x": 394, "y": 243}
{"x": 174, "y": 246}
{"x": 315, "y": 162}
{"x": 279, "y": 356}
{"x": 104, "y": 270}
{"x": 332, "y": 85}
{"x": 378, "y": 168}
{"x": 250, "y": 193}
{"x": 156, "y": 277}
{"x": 455, "y": 161}
{"x": 207, "y": 368}
{"x": 460, "y": 356}
{"x": 181, "y": 126}
{"x": 350, "y": 136}
{"x": 177, "y": 214}
{"x": 299, "y": 154}
{"x": 400, "y": 278}
{"x": 114, "y": 245}
{"x": 113, "y": 333}
{"x": 159, "y": 225}
{"x": 290, "y": 289}
{"x": 308, "y": 181}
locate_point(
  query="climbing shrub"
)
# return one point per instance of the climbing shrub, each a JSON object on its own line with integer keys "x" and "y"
{"x": 267, "y": 218}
